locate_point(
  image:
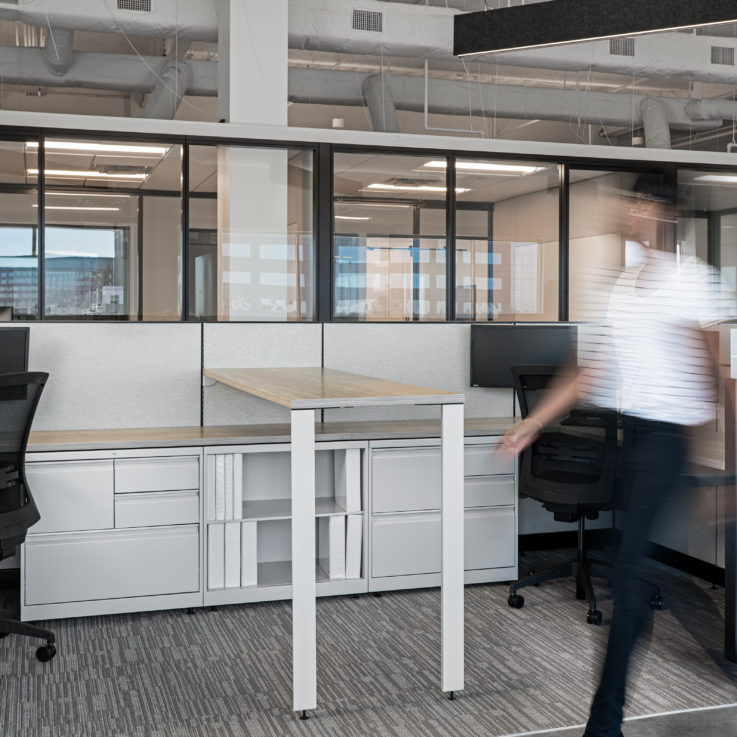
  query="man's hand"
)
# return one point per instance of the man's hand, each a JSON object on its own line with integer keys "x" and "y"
{"x": 520, "y": 436}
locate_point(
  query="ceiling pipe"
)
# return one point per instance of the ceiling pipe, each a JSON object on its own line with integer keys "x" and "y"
{"x": 377, "y": 92}
{"x": 450, "y": 97}
{"x": 59, "y": 50}
{"x": 90, "y": 70}
{"x": 168, "y": 92}
{"x": 655, "y": 123}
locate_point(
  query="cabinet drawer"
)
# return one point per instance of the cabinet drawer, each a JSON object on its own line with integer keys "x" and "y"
{"x": 406, "y": 479}
{"x": 410, "y": 544}
{"x": 488, "y": 491}
{"x": 72, "y": 495}
{"x": 148, "y": 509}
{"x": 156, "y": 474}
{"x": 110, "y": 565}
{"x": 485, "y": 460}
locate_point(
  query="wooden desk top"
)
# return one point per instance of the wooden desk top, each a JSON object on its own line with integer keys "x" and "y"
{"x": 182, "y": 437}
{"x": 322, "y": 388}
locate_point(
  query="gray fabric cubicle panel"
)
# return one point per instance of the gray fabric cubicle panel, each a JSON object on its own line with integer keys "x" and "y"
{"x": 115, "y": 375}
{"x": 437, "y": 356}
{"x": 254, "y": 345}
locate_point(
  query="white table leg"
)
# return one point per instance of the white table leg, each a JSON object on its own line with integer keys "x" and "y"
{"x": 304, "y": 647}
{"x": 452, "y": 548}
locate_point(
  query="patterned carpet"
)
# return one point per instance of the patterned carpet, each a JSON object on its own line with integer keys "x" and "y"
{"x": 227, "y": 673}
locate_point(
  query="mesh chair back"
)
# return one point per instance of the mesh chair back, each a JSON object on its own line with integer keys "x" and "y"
{"x": 19, "y": 395}
{"x": 571, "y": 467}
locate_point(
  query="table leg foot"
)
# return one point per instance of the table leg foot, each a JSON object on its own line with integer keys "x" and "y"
{"x": 452, "y": 696}
{"x": 304, "y": 715}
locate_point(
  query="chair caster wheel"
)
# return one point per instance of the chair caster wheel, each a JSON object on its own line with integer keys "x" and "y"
{"x": 656, "y": 602}
{"x": 516, "y": 601}
{"x": 594, "y": 617}
{"x": 46, "y": 652}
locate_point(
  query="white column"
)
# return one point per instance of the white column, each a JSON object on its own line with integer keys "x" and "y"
{"x": 253, "y": 61}
{"x": 452, "y": 548}
{"x": 304, "y": 642}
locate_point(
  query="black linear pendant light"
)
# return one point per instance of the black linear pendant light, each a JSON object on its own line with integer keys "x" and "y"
{"x": 568, "y": 21}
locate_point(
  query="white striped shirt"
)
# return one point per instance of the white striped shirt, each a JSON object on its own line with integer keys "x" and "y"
{"x": 648, "y": 357}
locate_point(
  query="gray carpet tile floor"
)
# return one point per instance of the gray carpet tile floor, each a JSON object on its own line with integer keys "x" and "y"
{"x": 227, "y": 673}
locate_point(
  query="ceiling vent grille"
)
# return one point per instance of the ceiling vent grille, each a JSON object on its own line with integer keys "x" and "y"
{"x": 367, "y": 20}
{"x": 722, "y": 55}
{"x": 142, "y": 6}
{"x": 622, "y": 46}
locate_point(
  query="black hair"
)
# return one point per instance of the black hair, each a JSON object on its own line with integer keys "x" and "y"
{"x": 654, "y": 187}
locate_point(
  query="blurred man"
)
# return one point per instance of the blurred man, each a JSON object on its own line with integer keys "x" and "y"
{"x": 652, "y": 362}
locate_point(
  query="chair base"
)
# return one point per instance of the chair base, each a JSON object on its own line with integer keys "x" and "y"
{"x": 10, "y": 626}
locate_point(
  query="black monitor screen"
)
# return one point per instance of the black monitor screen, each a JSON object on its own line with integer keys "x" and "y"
{"x": 13, "y": 350}
{"x": 495, "y": 348}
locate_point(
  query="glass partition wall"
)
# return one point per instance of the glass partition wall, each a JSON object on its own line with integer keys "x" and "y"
{"x": 389, "y": 246}
{"x": 112, "y": 235}
{"x": 177, "y": 229}
{"x": 251, "y": 234}
{"x": 19, "y": 242}
{"x": 506, "y": 240}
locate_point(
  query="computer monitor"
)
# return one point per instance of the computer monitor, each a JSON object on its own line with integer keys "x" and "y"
{"x": 14, "y": 350}
{"x": 496, "y": 348}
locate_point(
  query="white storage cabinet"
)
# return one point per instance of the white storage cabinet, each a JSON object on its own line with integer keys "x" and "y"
{"x": 119, "y": 532}
{"x": 405, "y": 533}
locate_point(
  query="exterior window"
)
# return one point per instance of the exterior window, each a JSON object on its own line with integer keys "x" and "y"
{"x": 18, "y": 232}
{"x": 251, "y": 235}
{"x": 389, "y": 251}
{"x": 506, "y": 240}
{"x": 113, "y": 230}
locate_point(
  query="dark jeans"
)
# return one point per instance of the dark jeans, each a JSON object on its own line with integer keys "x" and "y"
{"x": 653, "y": 457}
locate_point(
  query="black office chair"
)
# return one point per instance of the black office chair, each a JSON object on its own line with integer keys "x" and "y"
{"x": 19, "y": 395}
{"x": 572, "y": 469}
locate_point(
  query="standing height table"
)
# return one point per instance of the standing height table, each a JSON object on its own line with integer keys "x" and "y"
{"x": 303, "y": 391}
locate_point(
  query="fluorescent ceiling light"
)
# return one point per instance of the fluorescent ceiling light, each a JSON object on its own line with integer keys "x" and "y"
{"x": 73, "y": 207}
{"x": 86, "y": 194}
{"x": 565, "y": 21}
{"x": 412, "y": 188}
{"x": 349, "y": 217}
{"x": 486, "y": 166}
{"x": 367, "y": 203}
{"x": 90, "y": 174}
{"x": 100, "y": 148}
{"x": 717, "y": 178}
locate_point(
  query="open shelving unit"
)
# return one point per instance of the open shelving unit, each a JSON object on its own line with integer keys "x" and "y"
{"x": 248, "y": 513}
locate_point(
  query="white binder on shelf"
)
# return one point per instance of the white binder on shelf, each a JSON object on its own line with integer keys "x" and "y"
{"x": 229, "y": 486}
{"x": 220, "y": 486}
{"x": 216, "y": 556}
{"x": 348, "y": 479}
{"x": 353, "y": 545}
{"x": 336, "y": 547}
{"x": 210, "y": 487}
{"x": 249, "y": 553}
{"x": 232, "y": 555}
{"x": 238, "y": 485}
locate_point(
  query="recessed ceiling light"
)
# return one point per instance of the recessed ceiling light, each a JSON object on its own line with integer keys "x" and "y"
{"x": 486, "y": 166}
{"x": 74, "y": 207}
{"x": 413, "y": 188}
{"x": 101, "y": 148}
{"x": 120, "y": 176}
{"x": 717, "y": 178}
